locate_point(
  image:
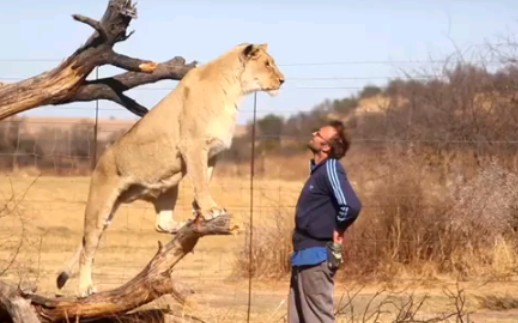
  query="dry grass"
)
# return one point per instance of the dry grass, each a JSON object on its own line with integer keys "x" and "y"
{"x": 404, "y": 233}
{"x": 498, "y": 302}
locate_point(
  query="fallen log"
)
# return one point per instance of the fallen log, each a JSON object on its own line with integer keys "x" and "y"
{"x": 149, "y": 284}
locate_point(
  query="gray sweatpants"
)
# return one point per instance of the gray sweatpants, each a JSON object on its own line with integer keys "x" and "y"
{"x": 311, "y": 294}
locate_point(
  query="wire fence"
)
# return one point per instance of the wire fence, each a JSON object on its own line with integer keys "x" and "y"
{"x": 409, "y": 196}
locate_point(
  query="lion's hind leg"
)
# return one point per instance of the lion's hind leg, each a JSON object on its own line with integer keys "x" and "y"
{"x": 103, "y": 202}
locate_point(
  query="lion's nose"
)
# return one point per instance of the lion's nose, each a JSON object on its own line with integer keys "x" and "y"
{"x": 281, "y": 80}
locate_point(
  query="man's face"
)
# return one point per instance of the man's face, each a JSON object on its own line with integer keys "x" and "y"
{"x": 321, "y": 139}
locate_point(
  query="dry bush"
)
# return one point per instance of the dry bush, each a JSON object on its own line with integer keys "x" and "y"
{"x": 20, "y": 241}
{"x": 493, "y": 195}
{"x": 413, "y": 224}
{"x": 485, "y": 210}
{"x": 11, "y": 213}
{"x": 404, "y": 223}
{"x": 271, "y": 249}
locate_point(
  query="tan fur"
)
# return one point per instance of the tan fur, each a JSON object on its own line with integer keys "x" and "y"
{"x": 182, "y": 135}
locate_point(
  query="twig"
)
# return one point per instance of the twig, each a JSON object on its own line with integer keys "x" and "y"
{"x": 92, "y": 23}
{"x": 11, "y": 210}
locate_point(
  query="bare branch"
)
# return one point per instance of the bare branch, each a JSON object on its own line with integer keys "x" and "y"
{"x": 128, "y": 35}
{"x": 92, "y": 23}
{"x": 112, "y": 88}
{"x": 405, "y": 308}
{"x": 130, "y": 104}
{"x": 131, "y": 64}
{"x": 9, "y": 208}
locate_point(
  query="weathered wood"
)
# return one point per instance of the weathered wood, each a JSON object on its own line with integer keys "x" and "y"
{"x": 151, "y": 283}
{"x": 15, "y": 307}
{"x": 62, "y": 84}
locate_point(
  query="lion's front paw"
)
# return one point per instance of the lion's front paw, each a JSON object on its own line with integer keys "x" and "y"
{"x": 87, "y": 291}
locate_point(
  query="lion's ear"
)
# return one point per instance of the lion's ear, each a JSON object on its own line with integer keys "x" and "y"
{"x": 263, "y": 47}
{"x": 250, "y": 51}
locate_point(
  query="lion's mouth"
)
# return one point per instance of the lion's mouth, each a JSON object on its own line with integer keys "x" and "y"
{"x": 273, "y": 92}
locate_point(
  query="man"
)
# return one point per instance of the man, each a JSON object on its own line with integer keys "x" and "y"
{"x": 326, "y": 207}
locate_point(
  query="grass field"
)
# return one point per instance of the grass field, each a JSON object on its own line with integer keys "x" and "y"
{"x": 42, "y": 223}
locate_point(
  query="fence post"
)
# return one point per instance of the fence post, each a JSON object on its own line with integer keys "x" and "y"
{"x": 252, "y": 173}
{"x": 94, "y": 154}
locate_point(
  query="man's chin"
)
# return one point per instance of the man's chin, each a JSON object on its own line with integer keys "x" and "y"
{"x": 312, "y": 149}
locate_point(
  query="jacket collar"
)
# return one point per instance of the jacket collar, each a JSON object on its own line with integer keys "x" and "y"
{"x": 314, "y": 166}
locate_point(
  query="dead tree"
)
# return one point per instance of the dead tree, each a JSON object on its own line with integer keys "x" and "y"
{"x": 151, "y": 283}
{"x": 67, "y": 82}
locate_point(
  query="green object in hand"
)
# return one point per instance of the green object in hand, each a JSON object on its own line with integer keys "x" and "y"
{"x": 334, "y": 255}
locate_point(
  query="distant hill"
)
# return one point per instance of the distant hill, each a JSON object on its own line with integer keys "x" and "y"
{"x": 106, "y": 127}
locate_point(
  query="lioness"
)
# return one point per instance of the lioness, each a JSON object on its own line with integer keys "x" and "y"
{"x": 183, "y": 134}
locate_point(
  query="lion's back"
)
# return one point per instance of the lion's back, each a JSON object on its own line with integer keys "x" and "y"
{"x": 199, "y": 102}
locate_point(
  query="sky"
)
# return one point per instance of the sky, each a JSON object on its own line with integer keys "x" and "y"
{"x": 327, "y": 49}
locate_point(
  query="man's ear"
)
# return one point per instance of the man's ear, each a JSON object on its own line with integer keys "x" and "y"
{"x": 326, "y": 148}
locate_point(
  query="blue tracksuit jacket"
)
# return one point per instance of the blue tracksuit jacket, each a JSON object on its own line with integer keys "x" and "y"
{"x": 327, "y": 201}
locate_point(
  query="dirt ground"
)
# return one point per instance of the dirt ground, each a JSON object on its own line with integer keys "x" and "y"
{"x": 48, "y": 214}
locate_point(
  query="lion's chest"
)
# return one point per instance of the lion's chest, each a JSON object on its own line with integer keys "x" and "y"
{"x": 222, "y": 128}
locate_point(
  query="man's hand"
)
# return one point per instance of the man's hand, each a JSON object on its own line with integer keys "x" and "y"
{"x": 334, "y": 255}
{"x": 335, "y": 250}
{"x": 338, "y": 237}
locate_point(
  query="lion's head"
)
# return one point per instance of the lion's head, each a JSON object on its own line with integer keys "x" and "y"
{"x": 260, "y": 72}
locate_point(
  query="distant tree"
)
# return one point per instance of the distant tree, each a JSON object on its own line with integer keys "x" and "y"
{"x": 17, "y": 148}
{"x": 82, "y": 140}
{"x": 345, "y": 105}
{"x": 370, "y": 91}
{"x": 270, "y": 130}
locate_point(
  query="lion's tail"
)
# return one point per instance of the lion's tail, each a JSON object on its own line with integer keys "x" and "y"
{"x": 70, "y": 269}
